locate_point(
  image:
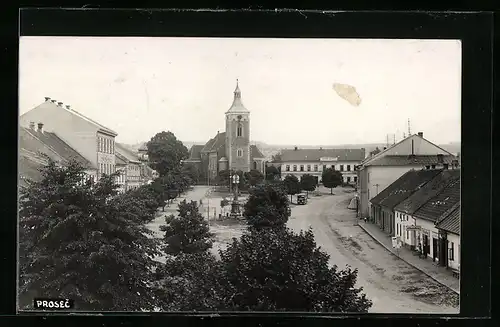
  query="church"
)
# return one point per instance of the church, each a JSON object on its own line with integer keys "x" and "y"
{"x": 230, "y": 150}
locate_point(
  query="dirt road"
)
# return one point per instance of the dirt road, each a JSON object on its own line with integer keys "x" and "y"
{"x": 392, "y": 284}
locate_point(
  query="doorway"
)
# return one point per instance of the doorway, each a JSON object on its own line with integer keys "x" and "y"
{"x": 425, "y": 245}
{"x": 434, "y": 249}
{"x": 443, "y": 251}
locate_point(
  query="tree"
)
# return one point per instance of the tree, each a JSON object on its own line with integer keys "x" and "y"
{"x": 188, "y": 232}
{"x": 277, "y": 270}
{"x": 292, "y": 185}
{"x": 224, "y": 203}
{"x": 254, "y": 177}
{"x": 192, "y": 172}
{"x": 267, "y": 206}
{"x": 331, "y": 178}
{"x": 272, "y": 173}
{"x": 223, "y": 177}
{"x": 276, "y": 157}
{"x": 78, "y": 242}
{"x": 308, "y": 183}
{"x": 166, "y": 153}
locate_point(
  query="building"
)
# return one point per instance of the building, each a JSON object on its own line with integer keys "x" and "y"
{"x": 121, "y": 168}
{"x": 405, "y": 211}
{"x": 230, "y": 149}
{"x": 378, "y": 171}
{"x": 37, "y": 146}
{"x": 448, "y": 226}
{"x": 383, "y": 204}
{"x": 148, "y": 174}
{"x": 95, "y": 142}
{"x": 299, "y": 162}
{"x": 132, "y": 171}
{"x": 429, "y": 215}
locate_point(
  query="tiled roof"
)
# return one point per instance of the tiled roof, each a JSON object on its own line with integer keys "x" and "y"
{"x": 451, "y": 223}
{"x": 288, "y": 155}
{"x": 439, "y": 204}
{"x": 218, "y": 143}
{"x": 195, "y": 152}
{"x": 403, "y": 187}
{"x": 428, "y": 191}
{"x": 120, "y": 160}
{"x": 404, "y": 160}
{"x": 255, "y": 152}
{"x": 125, "y": 152}
{"x": 237, "y": 106}
{"x": 28, "y": 169}
{"x": 35, "y": 141}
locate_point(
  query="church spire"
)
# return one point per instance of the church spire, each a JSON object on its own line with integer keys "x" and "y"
{"x": 237, "y": 92}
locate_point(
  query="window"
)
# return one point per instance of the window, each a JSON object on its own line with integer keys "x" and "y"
{"x": 368, "y": 178}
{"x": 315, "y": 167}
{"x": 348, "y": 167}
{"x": 341, "y": 167}
{"x": 333, "y": 167}
{"x": 301, "y": 167}
{"x": 239, "y": 153}
{"x": 287, "y": 168}
{"x": 98, "y": 144}
{"x": 294, "y": 167}
{"x": 451, "y": 256}
{"x": 427, "y": 167}
{"x": 112, "y": 146}
{"x": 348, "y": 179}
{"x": 324, "y": 167}
{"x": 407, "y": 234}
{"x": 239, "y": 130}
{"x": 308, "y": 167}
{"x": 445, "y": 166}
{"x": 355, "y": 179}
{"x": 433, "y": 166}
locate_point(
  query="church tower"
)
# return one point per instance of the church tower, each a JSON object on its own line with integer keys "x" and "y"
{"x": 238, "y": 134}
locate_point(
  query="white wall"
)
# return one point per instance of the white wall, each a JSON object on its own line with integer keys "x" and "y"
{"x": 352, "y": 173}
{"x": 402, "y": 220}
{"x": 455, "y": 264}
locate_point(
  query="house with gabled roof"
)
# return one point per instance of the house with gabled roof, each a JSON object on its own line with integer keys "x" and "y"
{"x": 405, "y": 212}
{"x": 383, "y": 204}
{"x": 378, "y": 171}
{"x": 299, "y": 162}
{"x": 449, "y": 227}
{"x": 95, "y": 142}
{"x": 231, "y": 149}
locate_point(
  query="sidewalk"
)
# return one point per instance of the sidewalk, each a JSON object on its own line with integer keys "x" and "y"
{"x": 439, "y": 274}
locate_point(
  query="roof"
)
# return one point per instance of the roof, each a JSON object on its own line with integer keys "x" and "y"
{"x": 255, "y": 152}
{"x": 428, "y": 191}
{"x": 126, "y": 153}
{"x": 147, "y": 171}
{"x": 195, "y": 152}
{"x": 315, "y": 154}
{"x": 451, "y": 222}
{"x": 28, "y": 169}
{"x": 405, "y": 160}
{"x": 143, "y": 147}
{"x": 51, "y": 145}
{"x": 215, "y": 144}
{"x": 120, "y": 160}
{"x": 436, "y": 206}
{"x": 237, "y": 106}
{"x": 403, "y": 187}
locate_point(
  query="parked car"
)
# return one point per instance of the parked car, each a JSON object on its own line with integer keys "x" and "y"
{"x": 301, "y": 198}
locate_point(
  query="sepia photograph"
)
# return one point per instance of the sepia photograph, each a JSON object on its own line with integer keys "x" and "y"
{"x": 184, "y": 174}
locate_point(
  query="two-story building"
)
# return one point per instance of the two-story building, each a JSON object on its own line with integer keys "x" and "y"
{"x": 132, "y": 171}
{"x": 378, "y": 171}
{"x": 95, "y": 142}
{"x": 299, "y": 162}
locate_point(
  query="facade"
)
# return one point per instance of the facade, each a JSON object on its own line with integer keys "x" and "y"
{"x": 449, "y": 227}
{"x": 231, "y": 149}
{"x": 132, "y": 171}
{"x": 95, "y": 142}
{"x": 383, "y": 204}
{"x": 380, "y": 170}
{"x": 121, "y": 167}
{"x": 299, "y": 162}
{"x": 37, "y": 146}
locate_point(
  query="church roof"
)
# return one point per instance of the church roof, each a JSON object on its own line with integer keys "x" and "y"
{"x": 237, "y": 106}
{"x": 216, "y": 144}
{"x": 195, "y": 151}
{"x": 255, "y": 152}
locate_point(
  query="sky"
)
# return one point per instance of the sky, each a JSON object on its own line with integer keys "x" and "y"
{"x": 142, "y": 86}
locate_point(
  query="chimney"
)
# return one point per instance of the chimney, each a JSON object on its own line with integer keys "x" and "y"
{"x": 295, "y": 148}
{"x": 68, "y": 106}
{"x": 40, "y": 127}
{"x": 32, "y": 125}
{"x": 440, "y": 158}
{"x": 47, "y": 99}
{"x": 60, "y": 104}
{"x": 53, "y": 100}
{"x": 385, "y": 148}
{"x": 421, "y": 134}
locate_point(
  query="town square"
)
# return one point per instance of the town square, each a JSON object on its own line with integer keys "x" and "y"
{"x": 183, "y": 174}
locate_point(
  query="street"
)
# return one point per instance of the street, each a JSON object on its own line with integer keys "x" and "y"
{"x": 392, "y": 284}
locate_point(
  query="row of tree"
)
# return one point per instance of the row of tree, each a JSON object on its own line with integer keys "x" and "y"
{"x": 330, "y": 178}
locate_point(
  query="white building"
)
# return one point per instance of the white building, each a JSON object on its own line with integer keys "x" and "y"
{"x": 299, "y": 162}
{"x": 377, "y": 172}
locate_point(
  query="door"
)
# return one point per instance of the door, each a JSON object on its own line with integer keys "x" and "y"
{"x": 434, "y": 249}
{"x": 425, "y": 246}
{"x": 443, "y": 251}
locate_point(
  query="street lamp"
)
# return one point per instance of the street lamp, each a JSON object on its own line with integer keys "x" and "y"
{"x": 235, "y": 205}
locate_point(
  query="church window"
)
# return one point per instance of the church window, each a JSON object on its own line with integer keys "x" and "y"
{"x": 239, "y": 130}
{"x": 239, "y": 153}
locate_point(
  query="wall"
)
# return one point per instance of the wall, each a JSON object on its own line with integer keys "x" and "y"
{"x": 321, "y": 166}
{"x": 402, "y": 220}
{"x": 433, "y": 233}
{"x": 455, "y": 264}
{"x": 106, "y": 159}
{"x": 133, "y": 175}
{"x": 233, "y": 143}
{"x": 77, "y": 132}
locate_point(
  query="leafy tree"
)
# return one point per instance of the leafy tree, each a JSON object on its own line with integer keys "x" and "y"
{"x": 276, "y": 157}
{"x": 292, "y": 185}
{"x": 223, "y": 177}
{"x": 224, "y": 203}
{"x": 272, "y": 173}
{"x": 308, "y": 183}
{"x": 267, "y": 206}
{"x": 166, "y": 152}
{"x": 192, "y": 172}
{"x": 331, "y": 178}
{"x": 188, "y": 232}
{"x": 277, "y": 270}
{"x": 78, "y": 242}
{"x": 254, "y": 177}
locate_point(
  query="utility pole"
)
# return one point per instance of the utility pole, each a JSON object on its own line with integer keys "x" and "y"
{"x": 394, "y": 139}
